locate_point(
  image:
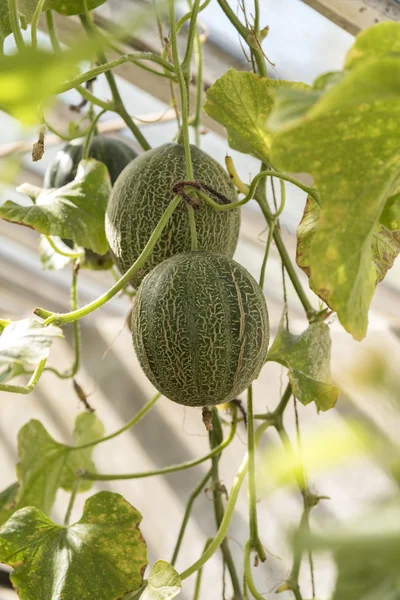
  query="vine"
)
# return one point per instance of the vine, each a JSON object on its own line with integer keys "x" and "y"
{"x": 279, "y": 123}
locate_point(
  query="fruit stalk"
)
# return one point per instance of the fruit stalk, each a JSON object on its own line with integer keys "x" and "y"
{"x": 72, "y": 316}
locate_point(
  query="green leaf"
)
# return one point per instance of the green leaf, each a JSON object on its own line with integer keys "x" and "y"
{"x": 307, "y": 357}
{"x": 5, "y": 24}
{"x": 75, "y": 211}
{"x": 375, "y": 42}
{"x": 71, "y": 7}
{"x": 349, "y": 141}
{"x": 50, "y": 259}
{"x": 8, "y": 502}
{"x": 100, "y": 557}
{"x": 46, "y": 465}
{"x": 366, "y": 555}
{"x": 390, "y": 216}
{"x": 242, "y": 102}
{"x": 164, "y": 582}
{"x": 24, "y": 343}
{"x": 384, "y": 245}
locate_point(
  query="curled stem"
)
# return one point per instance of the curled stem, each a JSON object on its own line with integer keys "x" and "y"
{"x": 92, "y": 306}
{"x": 138, "y": 417}
{"x": 248, "y": 574}
{"x": 172, "y": 469}
{"x": 72, "y": 255}
{"x": 19, "y": 389}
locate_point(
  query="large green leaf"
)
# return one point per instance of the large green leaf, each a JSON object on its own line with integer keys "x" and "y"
{"x": 366, "y": 555}
{"x": 307, "y": 357}
{"x": 349, "y": 141}
{"x": 100, "y": 557}
{"x": 24, "y": 343}
{"x": 75, "y": 211}
{"x": 8, "y": 501}
{"x": 71, "y": 7}
{"x": 46, "y": 465}
{"x": 374, "y": 42}
{"x": 242, "y": 102}
{"x": 164, "y": 582}
{"x": 384, "y": 244}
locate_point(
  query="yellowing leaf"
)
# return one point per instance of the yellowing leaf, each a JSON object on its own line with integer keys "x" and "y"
{"x": 349, "y": 141}
{"x": 384, "y": 244}
{"x": 164, "y": 582}
{"x": 101, "y": 557}
{"x": 242, "y": 102}
{"x": 377, "y": 41}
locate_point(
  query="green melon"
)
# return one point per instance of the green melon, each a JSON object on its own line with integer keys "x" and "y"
{"x": 113, "y": 153}
{"x": 142, "y": 193}
{"x": 200, "y": 328}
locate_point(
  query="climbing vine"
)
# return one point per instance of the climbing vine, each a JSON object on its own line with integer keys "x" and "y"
{"x": 344, "y": 132}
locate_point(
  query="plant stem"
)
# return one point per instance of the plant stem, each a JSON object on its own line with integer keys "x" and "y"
{"x": 72, "y": 255}
{"x": 195, "y": 493}
{"x": 89, "y": 135}
{"x": 138, "y": 417}
{"x": 85, "y": 310}
{"x": 310, "y": 312}
{"x": 57, "y": 48}
{"x": 197, "y": 587}
{"x": 254, "y": 537}
{"x": 186, "y": 63}
{"x": 52, "y": 31}
{"x": 182, "y": 82}
{"x": 34, "y": 24}
{"x": 253, "y": 192}
{"x": 19, "y": 389}
{"x": 229, "y": 510}
{"x": 15, "y": 24}
{"x": 196, "y": 119}
{"x": 245, "y": 34}
{"x": 118, "y": 103}
{"x": 248, "y": 574}
{"x": 188, "y": 15}
{"x": 172, "y": 469}
{"x": 77, "y": 331}
{"x": 266, "y": 253}
{"x": 75, "y": 489}
{"x": 214, "y": 436}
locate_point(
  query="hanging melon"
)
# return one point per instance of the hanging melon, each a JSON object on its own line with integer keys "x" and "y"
{"x": 200, "y": 328}
{"x": 142, "y": 193}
